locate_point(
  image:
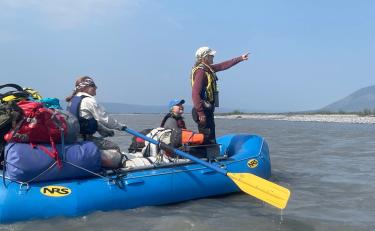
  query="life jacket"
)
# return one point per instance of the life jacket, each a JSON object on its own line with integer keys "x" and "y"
{"x": 210, "y": 94}
{"x": 180, "y": 121}
{"x": 87, "y": 126}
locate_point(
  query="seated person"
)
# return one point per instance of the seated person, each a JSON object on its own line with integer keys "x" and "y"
{"x": 144, "y": 153}
{"x": 172, "y": 131}
{"x": 93, "y": 118}
{"x": 174, "y": 119}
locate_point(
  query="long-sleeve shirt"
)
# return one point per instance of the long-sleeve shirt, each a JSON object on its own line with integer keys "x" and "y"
{"x": 200, "y": 82}
{"x": 90, "y": 108}
{"x": 171, "y": 123}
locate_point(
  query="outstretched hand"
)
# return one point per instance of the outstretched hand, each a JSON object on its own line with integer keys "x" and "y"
{"x": 245, "y": 56}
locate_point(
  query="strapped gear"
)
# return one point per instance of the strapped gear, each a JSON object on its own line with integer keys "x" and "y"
{"x": 33, "y": 93}
{"x": 10, "y": 115}
{"x": 175, "y": 138}
{"x": 36, "y": 166}
{"x": 211, "y": 93}
{"x": 162, "y": 135}
{"x": 15, "y": 95}
{"x": 18, "y": 94}
{"x": 53, "y": 103}
{"x": 87, "y": 126}
{"x": 39, "y": 125}
{"x": 137, "y": 143}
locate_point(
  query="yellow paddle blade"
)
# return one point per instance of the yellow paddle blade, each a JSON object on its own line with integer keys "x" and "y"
{"x": 262, "y": 189}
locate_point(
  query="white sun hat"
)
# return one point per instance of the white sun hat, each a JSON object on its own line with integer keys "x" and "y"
{"x": 203, "y": 52}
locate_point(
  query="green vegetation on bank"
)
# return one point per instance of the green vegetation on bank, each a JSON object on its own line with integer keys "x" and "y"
{"x": 235, "y": 112}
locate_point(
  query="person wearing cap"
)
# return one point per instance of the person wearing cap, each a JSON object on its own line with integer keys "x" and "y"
{"x": 205, "y": 94}
{"x": 174, "y": 119}
{"x": 93, "y": 118}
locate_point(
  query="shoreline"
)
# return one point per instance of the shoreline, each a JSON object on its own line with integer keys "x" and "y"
{"x": 332, "y": 118}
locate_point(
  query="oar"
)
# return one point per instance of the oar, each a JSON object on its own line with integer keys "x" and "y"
{"x": 251, "y": 184}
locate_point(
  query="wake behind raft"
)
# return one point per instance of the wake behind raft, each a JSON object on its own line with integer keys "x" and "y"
{"x": 225, "y": 171}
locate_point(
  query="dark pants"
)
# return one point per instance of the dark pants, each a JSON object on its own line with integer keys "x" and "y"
{"x": 110, "y": 152}
{"x": 208, "y": 129}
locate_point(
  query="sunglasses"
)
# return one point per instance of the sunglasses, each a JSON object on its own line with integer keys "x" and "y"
{"x": 93, "y": 85}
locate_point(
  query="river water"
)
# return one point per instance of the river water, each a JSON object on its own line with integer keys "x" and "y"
{"x": 329, "y": 168}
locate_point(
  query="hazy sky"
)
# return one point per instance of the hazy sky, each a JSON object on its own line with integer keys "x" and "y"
{"x": 304, "y": 54}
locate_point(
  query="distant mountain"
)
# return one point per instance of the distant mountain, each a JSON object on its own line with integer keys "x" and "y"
{"x": 123, "y": 108}
{"x": 362, "y": 99}
{"x": 118, "y": 108}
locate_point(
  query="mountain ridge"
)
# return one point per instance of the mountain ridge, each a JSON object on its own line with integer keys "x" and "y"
{"x": 117, "y": 108}
{"x": 362, "y": 99}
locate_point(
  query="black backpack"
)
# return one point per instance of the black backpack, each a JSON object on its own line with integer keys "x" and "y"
{"x": 16, "y": 94}
{"x": 10, "y": 113}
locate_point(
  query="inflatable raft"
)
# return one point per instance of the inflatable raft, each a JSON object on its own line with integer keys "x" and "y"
{"x": 131, "y": 188}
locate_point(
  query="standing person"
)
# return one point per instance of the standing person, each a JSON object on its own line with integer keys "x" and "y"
{"x": 174, "y": 119}
{"x": 205, "y": 92}
{"x": 93, "y": 118}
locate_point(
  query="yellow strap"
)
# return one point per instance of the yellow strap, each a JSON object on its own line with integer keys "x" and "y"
{"x": 8, "y": 98}
{"x": 211, "y": 85}
{"x": 193, "y": 72}
{"x": 34, "y": 93}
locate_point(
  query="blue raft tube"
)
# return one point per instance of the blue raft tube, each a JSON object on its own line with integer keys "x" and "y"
{"x": 131, "y": 188}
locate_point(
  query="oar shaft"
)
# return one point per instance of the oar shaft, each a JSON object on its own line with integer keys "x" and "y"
{"x": 178, "y": 152}
{"x": 253, "y": 185}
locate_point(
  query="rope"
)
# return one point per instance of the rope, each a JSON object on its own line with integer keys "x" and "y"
{"x": 40, "y": 174}
{"x": 89, "y": 171}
